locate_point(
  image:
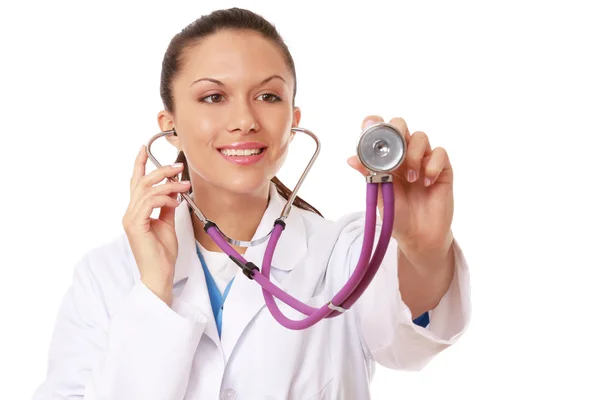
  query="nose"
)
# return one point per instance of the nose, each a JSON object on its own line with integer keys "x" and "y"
{"x": 243, "y": 119}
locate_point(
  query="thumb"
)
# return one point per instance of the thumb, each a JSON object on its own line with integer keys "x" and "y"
{"x": 355, "y": 163}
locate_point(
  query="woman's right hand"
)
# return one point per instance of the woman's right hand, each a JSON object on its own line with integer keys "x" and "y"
{"x": 153, "y": 241}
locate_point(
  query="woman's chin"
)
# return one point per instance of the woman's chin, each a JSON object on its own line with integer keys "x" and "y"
{"x": 247, "y": 183}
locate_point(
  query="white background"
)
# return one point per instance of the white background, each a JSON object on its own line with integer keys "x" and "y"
{"x": 510, "y": 89}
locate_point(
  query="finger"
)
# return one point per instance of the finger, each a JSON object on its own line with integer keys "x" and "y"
{"x": 400, "y": 124}
{"x": 151, "y": 179}
{"x": 169, "y": 189}
{"x": 139, "y": 168}
{"x": 167, "y": 214}
{"x": 371, "y": 120}
{"x": 418, "y": 148}
{"x": 141, "y": 216}
{"x": 160, "y": 174}
{"x": 437, "y": 163}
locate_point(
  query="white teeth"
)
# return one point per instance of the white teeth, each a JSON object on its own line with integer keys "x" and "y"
{"x": 244, "y": 152}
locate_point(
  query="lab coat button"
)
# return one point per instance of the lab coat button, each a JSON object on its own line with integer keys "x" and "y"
{"x": 228, "y": 394}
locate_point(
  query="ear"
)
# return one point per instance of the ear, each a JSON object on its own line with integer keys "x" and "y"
{"x": 166, "y": 122}
{"x": 296, "y": 120}
{"x": 297, "y": 116}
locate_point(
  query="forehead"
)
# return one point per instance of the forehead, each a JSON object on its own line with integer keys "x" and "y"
{"x": 235, "y": 55}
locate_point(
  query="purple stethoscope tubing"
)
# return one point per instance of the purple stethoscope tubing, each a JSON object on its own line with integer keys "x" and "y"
{"x": 359, "y": 280}
{"x": 381, "y": 149}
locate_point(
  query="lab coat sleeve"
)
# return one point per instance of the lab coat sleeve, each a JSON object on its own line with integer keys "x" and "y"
{"x": 144, "y": 350}
{"x": 388, "y": 332}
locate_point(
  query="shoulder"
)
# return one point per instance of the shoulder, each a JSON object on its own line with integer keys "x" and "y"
{"x": 113, "y": 257}
{"x": 106, "y": 272}
{"x": 347, "y": 224}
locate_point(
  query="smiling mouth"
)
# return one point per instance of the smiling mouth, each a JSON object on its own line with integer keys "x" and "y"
{"x": 241, "y": 152}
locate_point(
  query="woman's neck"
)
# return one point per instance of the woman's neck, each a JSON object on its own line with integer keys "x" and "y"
{"x": 238, "y": 216}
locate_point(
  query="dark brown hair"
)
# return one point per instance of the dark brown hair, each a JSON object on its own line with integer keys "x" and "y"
{"x": 232, "y": 19}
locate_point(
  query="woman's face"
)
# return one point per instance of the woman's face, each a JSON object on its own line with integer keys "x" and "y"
{"x": 233, "y": 111}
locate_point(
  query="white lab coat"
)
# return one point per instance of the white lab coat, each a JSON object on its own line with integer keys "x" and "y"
{"x": 114, "y": 339}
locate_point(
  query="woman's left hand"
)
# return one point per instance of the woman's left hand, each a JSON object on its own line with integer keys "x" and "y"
{"x": 424, "y": 203}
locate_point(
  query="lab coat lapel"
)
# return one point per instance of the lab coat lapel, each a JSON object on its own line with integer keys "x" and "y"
{"x": 245, "y": 297}
{"x": 193, "y": 302}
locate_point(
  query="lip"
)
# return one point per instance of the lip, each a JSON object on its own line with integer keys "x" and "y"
{"x": 243, "y": 146}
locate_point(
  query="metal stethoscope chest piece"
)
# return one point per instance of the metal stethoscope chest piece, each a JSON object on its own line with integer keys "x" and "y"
{"x": 381, "y": 149}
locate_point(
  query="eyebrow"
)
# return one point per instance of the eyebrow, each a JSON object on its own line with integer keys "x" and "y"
{"x": 270, "y": 78}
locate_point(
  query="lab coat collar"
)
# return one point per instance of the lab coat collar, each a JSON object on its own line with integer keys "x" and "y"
{"x": 245, "y": 298}
{"x": 291, "y": 245}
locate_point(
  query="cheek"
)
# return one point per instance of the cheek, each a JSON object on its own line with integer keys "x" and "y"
{"x": 197, "y": 124}
{"x": 276, "y": 119}
{"x": 281, "y": 145}
{"x": 196, "y": 141}
{"x": 279, "y": 155}
{"x": 198, "y": 133}
{"x": 283, "y": 156}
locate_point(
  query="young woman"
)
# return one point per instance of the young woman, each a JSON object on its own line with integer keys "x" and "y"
{"x": 162, "y": 313}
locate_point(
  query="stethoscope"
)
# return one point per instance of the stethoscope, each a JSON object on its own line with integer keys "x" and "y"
{"x": 381, "y": 149}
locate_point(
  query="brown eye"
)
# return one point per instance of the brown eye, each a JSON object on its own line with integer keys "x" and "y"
{"x": 270, "y": 98}
{"x": 213, "y": 98}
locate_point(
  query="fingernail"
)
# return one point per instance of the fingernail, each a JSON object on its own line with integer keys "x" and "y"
{"x": 177, "y": 165}
{"x": 369, "y": 123}
{"x": 185, "y": 182}
{"x": 412, "y": 176}
{"x": 427, "y": 181}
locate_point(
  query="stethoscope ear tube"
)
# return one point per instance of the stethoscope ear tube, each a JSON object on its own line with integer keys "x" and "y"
{"x": 286, "y": 209}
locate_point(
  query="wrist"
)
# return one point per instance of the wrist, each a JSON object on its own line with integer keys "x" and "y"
{"x": 428, "y": 258}
{"x": 161, "y": 287}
